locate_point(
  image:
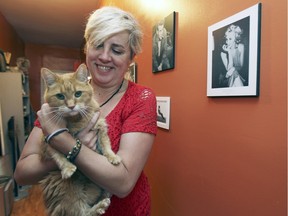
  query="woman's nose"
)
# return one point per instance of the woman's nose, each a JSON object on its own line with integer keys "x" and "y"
{"x": 105, "y": 55}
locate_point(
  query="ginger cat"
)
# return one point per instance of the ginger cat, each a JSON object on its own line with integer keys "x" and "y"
{"x": 68, "y": 191}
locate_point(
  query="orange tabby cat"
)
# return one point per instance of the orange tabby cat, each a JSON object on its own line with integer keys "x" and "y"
{"x": 68, "y": 191}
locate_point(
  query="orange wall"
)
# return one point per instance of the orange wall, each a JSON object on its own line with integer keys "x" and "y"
{"x": 222, "y": 156}
{"x": 10, "y": 41}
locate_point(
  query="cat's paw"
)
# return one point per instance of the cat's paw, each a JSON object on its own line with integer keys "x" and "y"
{"x": 68, "y": 171}
{"x": 114, "y": 159}
{"x": 102, "y": 206}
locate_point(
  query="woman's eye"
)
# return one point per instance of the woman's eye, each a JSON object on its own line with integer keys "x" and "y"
{"x": 60, "y": 96}
{"x": 78, "y": 94}
{"x": 100, "y": 46}
{"x": 118, "y": 52}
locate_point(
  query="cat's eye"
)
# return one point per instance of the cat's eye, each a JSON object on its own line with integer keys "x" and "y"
{"x": 78, "y": 94}
{"x": 60, "y": 96}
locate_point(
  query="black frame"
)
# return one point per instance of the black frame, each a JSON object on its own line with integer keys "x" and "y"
{"x": 168, "y": 58}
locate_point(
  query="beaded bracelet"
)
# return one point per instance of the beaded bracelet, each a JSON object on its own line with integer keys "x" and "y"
{"x": 74, "y": 152}
{"x": 55, "y": 133}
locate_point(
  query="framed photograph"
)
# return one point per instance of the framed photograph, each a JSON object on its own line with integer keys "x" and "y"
{"x": 163, "y": 112}
{"x": 234, "y": 55}
{"x": 132, "y": 72}
{"x": 163, "y": 42}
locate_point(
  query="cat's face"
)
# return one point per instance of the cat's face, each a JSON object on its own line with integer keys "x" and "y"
{"x": 69, "y": 94}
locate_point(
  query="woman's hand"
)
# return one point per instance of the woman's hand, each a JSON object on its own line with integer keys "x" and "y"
{"x": 49, "y": 119}
{"x": 88, "y": 135}
{"x": 230, "y": 72}
{"x": 225, "y": 47}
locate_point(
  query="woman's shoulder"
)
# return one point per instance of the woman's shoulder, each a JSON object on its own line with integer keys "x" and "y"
{"x": 135, "y": 89}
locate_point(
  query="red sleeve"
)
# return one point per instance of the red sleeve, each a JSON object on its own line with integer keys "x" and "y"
{"x": 143, "y": 116}
{"x": 37, "y": 123}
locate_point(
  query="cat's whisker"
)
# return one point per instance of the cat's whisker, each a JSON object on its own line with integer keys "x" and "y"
{"x": 52, "y": 111}
{"x": 90, "y": 107}
{"x": 56, "y": 118}
{"x": 86, "y": 114}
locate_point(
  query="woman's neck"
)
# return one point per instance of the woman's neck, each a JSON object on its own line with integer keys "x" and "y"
{"x": 104, "y": 95}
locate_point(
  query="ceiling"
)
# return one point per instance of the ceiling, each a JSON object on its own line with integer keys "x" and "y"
{"x": 49, "y": 22}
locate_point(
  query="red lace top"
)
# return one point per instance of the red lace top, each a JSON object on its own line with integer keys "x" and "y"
{"x": 135, "y": 112}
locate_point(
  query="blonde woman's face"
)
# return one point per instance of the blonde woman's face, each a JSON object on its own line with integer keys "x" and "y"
{"x": 230, "y": 38}
{"x": 109, "y": 61}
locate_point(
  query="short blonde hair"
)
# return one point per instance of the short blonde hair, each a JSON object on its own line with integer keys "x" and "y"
{"x": 108, "y": 21}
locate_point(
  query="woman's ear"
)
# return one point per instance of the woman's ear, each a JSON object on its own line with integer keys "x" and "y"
{"x": 132, "y": 55}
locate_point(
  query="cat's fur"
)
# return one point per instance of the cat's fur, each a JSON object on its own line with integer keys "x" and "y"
{"x": 69, "y": 192}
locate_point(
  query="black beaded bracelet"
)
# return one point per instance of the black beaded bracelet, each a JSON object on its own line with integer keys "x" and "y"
{"x": 74, "y": 152}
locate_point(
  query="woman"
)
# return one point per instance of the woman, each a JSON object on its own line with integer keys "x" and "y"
{"x": 113, "y": 38}
{"x": 233, "y": 56}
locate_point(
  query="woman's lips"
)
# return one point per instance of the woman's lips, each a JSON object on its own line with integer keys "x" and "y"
{"x": 104, "y": 68}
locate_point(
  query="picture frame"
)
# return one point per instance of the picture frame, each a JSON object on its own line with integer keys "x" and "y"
{"x": 163, "y": 112}
{"x": 163, "y": 44}
{"x": 132, "y": 72}
{"x": 233, "y": 67}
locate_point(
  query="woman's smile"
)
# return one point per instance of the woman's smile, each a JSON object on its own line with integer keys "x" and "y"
{"x": 104, "y": 68}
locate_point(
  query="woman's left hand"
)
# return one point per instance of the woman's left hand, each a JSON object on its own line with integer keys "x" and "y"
{"x": 88, "y": 135}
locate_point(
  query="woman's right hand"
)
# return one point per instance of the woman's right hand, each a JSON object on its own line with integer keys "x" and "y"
{"x": 225, "y": 47}
{"x": 88, "y": 136}
{"x": 49, "y": 120}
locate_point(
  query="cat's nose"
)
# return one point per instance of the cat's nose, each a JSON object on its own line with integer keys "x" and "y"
{"x": 71, "y": 107}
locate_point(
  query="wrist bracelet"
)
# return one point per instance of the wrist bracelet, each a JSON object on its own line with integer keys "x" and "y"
{"x": 55, "y": 133}
{"x": 74, "y": 152}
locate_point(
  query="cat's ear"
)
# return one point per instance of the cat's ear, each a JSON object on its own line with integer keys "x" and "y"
{"x": 82, "y": 73}
{"x": 48, "y": 76}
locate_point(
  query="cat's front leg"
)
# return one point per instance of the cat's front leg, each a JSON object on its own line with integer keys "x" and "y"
{"x": 66, "y": 167}
{"x": 105, "y": 144}
{"x": 99, "y": 208}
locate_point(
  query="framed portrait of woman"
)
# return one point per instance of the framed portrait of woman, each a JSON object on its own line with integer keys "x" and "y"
{"x": 234, "y": 55}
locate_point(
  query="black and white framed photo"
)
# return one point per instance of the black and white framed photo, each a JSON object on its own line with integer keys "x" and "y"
{"x": 163, "y": 112}
{"x": 132, "y": 72}
{"x": 234, "y": 55}
{"x": 163, "y": 42}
